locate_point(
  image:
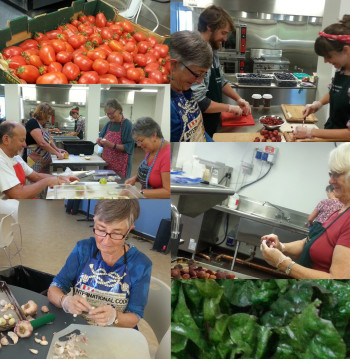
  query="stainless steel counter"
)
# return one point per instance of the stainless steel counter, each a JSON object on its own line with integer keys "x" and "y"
{"x": 200, "y": 188}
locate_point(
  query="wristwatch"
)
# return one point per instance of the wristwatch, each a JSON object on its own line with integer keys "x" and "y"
{"x": 116, "y": 318}
{"x": 289, "y": 268}
{"x": 141, "y": 191}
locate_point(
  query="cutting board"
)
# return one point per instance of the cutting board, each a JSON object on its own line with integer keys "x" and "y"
{"x": 294, "y": 113}
{"x": 107, "y": 342}
{"x": 290, "y": 138}
{"x": 229, "y": 119}
{"x": 238, "y": 137}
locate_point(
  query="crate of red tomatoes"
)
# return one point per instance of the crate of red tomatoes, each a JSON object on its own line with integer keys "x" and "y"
{"x": 87, "y": 43}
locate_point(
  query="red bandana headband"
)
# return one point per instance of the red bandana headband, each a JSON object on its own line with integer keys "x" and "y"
{"x": 76, "y": 111}
{"x": 342, "y": 38}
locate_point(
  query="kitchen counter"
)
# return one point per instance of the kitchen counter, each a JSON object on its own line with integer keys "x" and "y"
{"x": 200, "y": 188}
{"x": 95, "y": 161}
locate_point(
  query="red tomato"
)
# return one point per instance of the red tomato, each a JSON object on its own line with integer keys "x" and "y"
{"x": 116, "y": 45}
{"x": 28, "y": 73}
{"x": 145, "y": 81}
{"x": 127, "y": 26}
{"x": 54, "y": 67}
{"x": 128, "y": 65}
{"x": 166, "y": 79}
{"x": 108, "y": 79}
{"x": 53, "y": 34}
{"x": 156, "y": 75}
{"x": 82, "y": 18}
{"x": 79, "y": 51}
{"x": 163, "y": 49}
{"x": 130, "y": 47}
{"x": 152, "y": 67}
{"x": 89, "y": 77}
{"x": 30, "y": 52}
{"x": 16, "y": 61}
{"x": 34, "y": 60}
{"x": 115, "y": 57}
{"x": 97, "y": 54}
{"x": 117, "y": 29}
{"x": 58, "y": 45}
{"x": 144, "y": 47}
{"x": 76, "y": 40}
{"x": 75, "y": 22}
{"x": 47, "y": 54}
{"x": 52, "y": 78}
{"x": 124, "y": 80}
{"x": 86, "y": 29}
{"x": 68, "y": 32}
{"x": 69, "y": 47}
{"x": 123, "y": 41}
{"x": 133, "y": 74}
{"x": 117, "y": 70}
{"x": 84, "y": 63}
{"x": 107, "y": 33}
{"x": 64, "y": 56}
{"x": 11, "y": 51}
{"x": 150, "y": 58}
{"x": 140, "y": 60}
{"x": 139, "y": 36}
{"x": 71, "y": 71}
{"x": 106, "y": 48}
{"x": 101, "y": 66}
{"x": 91, "y": 18}
{"x": 154, "y": 52}
{"x": 100, "y": 20}
{"x": 127, "y": 57}
{"x": 152, "y": 40}
{"x": 96, "y": 39}
{"x": 39, "y": 36}
{"x": 42, "y": 70}
{"x": 29, "y": 44}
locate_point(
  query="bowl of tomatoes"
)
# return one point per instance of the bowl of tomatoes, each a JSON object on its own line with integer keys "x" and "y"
{"x": 271, "y": 122}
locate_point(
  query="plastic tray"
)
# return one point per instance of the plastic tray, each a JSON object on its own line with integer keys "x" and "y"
{"x": 78, "y": 147}
{"x": 286, "y": 83}
{"x": 93, "y": 190}
{"x": 17, "y": 313}
{"x": 254, "y": 79}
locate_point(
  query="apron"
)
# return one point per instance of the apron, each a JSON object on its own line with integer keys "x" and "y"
{"x": 20, "y": 173}
{"x": 37, "y": 158}
{"x": 80, "y": 134}
{"x": 339, "y": 102}
{"x": 212, "y": 120}
{"x": 316, "y": 232}
{"x": 144, "y": 170}
{"x": 104, "y": 285}
{"x": 116, "y": 161}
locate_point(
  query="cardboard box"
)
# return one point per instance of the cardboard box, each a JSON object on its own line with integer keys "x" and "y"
{"x": 22, "y": 28}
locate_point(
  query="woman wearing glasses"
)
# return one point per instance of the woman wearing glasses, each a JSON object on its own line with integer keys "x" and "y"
{"x": 110, "y": 279}
{"x": 325, "y": 253}
{"x": 40, "y": 144}
{"x": 154, "y": 171}
{"x": 116, "y": 140}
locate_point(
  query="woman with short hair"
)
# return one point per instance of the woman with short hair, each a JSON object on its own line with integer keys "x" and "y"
{"x": 154, "y": 171}
{"x": 116, "y": 140}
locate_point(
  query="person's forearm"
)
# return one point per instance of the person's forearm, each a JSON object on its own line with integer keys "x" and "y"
{"x": 215, "y": 107}
{"x": 55, "y": 296}
{"x": 230, "y": 92}
{"x": 120, "y": 148}
{"x": 47, "y": 147}
{"x": 325, "y": 99}
{"x": 300, "y": 272}
{"x": 127, "y": 320}
{"x": 27, "y": 191}
{"x": 294, "y": 249}
{"x": 159, "y": 193}
{"x": 343, "y": 133}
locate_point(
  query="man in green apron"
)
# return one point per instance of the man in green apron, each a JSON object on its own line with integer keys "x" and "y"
{"x": 214, "y": 24}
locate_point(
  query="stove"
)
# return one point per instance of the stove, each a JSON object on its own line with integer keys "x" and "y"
{"x": 268, "y": 61}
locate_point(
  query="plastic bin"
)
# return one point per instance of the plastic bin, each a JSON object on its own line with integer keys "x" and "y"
{"x": 254, "y": 79}
{"x": 285, "y": 79}
{"x": 27, "y": 278}
{"x": 78, "y": 147}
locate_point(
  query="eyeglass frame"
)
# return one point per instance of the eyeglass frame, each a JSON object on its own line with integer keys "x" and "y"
{"x": 111, "y": 114}
{"x": 193, "y": 73}
{"x": 334, "y": 175}
{"x": 110, "y": 234}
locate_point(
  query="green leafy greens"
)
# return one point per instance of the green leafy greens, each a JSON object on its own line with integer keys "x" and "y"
{"x": 260, "y": 319}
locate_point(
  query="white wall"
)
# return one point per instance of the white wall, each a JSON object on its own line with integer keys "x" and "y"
{"x": 297, "y": 180}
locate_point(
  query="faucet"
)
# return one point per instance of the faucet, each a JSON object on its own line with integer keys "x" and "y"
{"x": 175, "y": 230}
{"x": 282, "y": 215}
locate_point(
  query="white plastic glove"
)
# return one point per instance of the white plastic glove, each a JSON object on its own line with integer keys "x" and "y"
{"x": 272, "y": 241}
{"x": 311, "y": 108}
{"x": 103, "y": 315}
{"x": 75, "y": 304}
{"x": 272, "y": 256}
{"x": 244, "y": 105}
{"x": 303, "y": 132}
{"x": 236, "y": 110}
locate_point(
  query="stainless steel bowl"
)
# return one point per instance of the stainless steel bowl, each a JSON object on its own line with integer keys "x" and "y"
{"x": 272, "y": 127}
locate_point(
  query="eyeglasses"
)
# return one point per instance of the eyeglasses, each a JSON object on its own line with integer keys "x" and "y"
{"x": 138, "y": 142}
{"x": 193, "y": 73}
{"x": 334, "y": 175}
{"x": 110, "y": 114}
{"x": 115, "y": 236}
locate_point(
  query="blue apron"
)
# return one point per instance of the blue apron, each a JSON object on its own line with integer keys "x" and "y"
{"x": 104, "y": 285}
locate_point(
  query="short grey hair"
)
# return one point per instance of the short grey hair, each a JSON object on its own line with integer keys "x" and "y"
{"x": 112, "y": 210}
{"x": 189, "y": 48}
{"x": 6, "y": 128}
{"x": 114, "y": 103}
{"x": 146, "y": 127}
{"x": 339, "y": 159}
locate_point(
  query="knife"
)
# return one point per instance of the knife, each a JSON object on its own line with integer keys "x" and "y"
{"x": 87, "y": 174}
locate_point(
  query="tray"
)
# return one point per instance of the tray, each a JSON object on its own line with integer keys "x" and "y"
{"x": 292, "y": 82}
{"x": 17, "y": 313}
{"x": 106, "y": 342}
{"x": 254, "y": 79}
{"x": 95, "y": 190}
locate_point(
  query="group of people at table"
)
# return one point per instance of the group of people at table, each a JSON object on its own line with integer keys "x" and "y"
{"x": 25, "y": 152}
{"x": 198, "y": 82}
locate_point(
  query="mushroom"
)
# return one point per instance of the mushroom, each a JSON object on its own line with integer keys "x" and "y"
{"x": 30, "y": 308}
{"x": 23, "y": 329}
{"x": 45, "y": 309}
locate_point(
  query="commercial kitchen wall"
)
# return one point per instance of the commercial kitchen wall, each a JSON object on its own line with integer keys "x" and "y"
{"x": 297, "y": 180}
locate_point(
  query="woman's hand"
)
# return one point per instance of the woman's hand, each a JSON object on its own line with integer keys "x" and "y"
{"x": 303, "y": 132}
{"x": 62, "y": 151}
{"x": 244, "y": 105}
{"x": 98, "y": 141}
{"x": 60, "y": 156}
{"x": 68, "y": 179}
{"x": 272, "y": 241}
{"x": 75, "y": 304}
{"x": 106, "y": 143}
{"x": 311, "y": 108}
{"x": 131, "y": 180}
{"x": 272, "y": 256}
{"x": 236, "y": 110}
{"x": 103, "y": 315}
